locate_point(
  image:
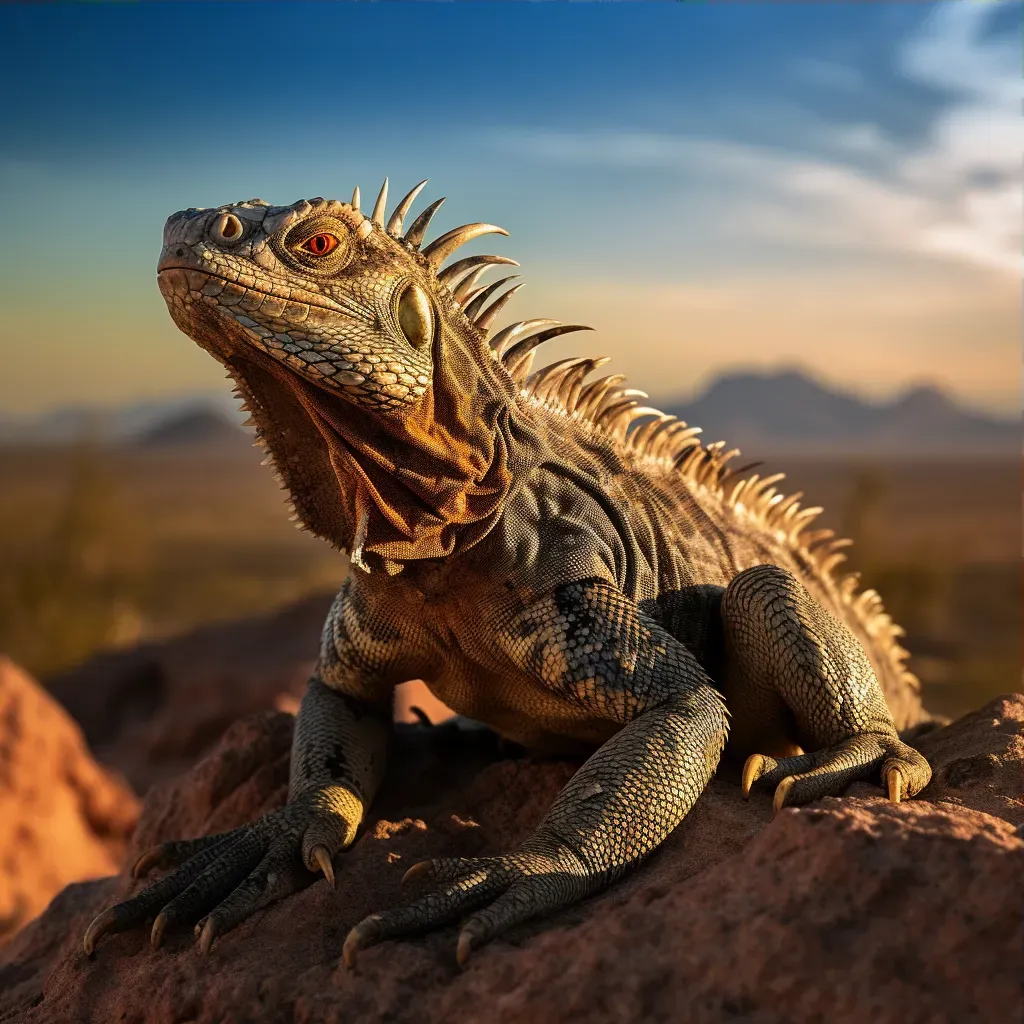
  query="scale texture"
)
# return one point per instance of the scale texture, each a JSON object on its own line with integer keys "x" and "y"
{"x": 554, "y": 558}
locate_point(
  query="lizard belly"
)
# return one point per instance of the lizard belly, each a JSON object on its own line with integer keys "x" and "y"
{"x": 517, "y": 707}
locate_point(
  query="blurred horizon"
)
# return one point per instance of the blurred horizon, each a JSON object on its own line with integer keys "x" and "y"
{"x": 782, "y": 413}
{"x": 714, "y": 188}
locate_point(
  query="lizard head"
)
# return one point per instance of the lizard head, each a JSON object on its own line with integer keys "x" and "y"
{"x": 364, "y": 364}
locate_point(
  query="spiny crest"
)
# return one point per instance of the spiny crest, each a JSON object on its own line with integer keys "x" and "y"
{"x": 460, "y": 278}
{"x": 603, "y": 404}
{"x": 607, "y": 407}
{"x": 480, "y": 304}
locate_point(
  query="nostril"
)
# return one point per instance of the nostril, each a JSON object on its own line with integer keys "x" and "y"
{"x": 180, "y": 252}
{"x": 226, "y": 228}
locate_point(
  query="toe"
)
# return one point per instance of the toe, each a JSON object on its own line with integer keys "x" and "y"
{"x": 467, "y": 943}
{"x": 156, "y": 935}
{"x": 764, "y": 772}
{"x": 902, "y": 771}
{"x": 430, "y": 911}
{"x": 133, "y": 912}
{"x": 152, "y": 858}
{"x": 216, "y": 882}
{"x": 782, "y": 791}
{"x": 322, "y": 857}
{"x": 754, "y": 768}
{"x": 277, "y": 875}
{"x": 365, "y": 934}
{"x": 893, "y": 780}
{"x": 206, "y": 935}
{"x": 171, "y": 854}
{"x": 909, "y": 767}
{"x": 100, "y": 926}
{"x": 447, "y": 869}
{"x": 421, "y": 872}
{"x": 526, "y": 898}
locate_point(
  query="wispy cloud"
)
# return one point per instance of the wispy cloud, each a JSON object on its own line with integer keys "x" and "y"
{"x": 975, "y": 150}
{"x": 956, "y": 195}
{"x": 830, "y": 74}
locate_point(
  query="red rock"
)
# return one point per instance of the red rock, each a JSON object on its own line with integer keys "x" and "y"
{"x": 969, "y": 772}
{"x": 62, "y": 817}
{"x": 848, "y": 910}
{"x": 152, "y": 710}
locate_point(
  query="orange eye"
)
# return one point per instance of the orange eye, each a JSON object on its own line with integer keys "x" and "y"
{"x": 321, "y": 244}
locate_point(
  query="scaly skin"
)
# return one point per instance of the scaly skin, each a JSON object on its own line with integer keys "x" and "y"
{"x": 551, "y": 557}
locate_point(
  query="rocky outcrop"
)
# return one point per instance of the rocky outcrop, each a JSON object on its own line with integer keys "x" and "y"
{"x": 850, "y": 909}
{"x": 152, "y": 710}
{"x": 62, "y": 816}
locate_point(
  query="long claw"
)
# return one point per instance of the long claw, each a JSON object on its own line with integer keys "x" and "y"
{"x": 150, "y": 859}
{"x": 207, "y": 935}
{"x": 464, "y": 949}
{"x": 106, "y": 922}
{"x": 894, "y": 783}
{"x": 781, "y": 792}
{"x": 359, "y": 938}
{"x": 425, "y": 869}
{"x": 156, "y": 936}
{"x": 323, "y": 857}
{"x": 751, "y": 773}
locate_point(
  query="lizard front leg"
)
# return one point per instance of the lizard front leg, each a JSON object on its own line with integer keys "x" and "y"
{"x": 794, "y": 671}
{"x": 590, "y": 644}
{"x": 337, "y": 762}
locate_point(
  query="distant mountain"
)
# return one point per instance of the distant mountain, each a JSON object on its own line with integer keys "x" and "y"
{"x": 763, "y": 414}
{"x": 120, "y": 424}
{"x": 205, "y": 427}
{"x": 788, "y": 412}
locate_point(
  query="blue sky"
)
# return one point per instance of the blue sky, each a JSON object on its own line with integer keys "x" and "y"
{"x": 709, "y": 185}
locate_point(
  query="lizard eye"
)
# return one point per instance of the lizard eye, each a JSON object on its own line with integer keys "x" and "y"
{"x": 415, "y": 316}
{"x": 320, "y": 244}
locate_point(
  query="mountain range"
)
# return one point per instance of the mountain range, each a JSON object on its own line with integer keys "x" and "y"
{"x": 763, "y": 414}
{"x": 790, "y": 413}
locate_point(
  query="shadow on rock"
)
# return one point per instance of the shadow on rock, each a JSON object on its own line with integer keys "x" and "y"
{"x": 848, "y": 910}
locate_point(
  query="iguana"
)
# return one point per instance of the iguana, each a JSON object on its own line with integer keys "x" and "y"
{"x": 554, "y": 558}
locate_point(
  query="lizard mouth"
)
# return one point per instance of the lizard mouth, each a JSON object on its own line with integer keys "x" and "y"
{"x": 169, "y": 271}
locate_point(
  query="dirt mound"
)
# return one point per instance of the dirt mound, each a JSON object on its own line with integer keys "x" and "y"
{"x": 62, "y": 817}
{"x": 152, "y": 710}
{"x": 847, "y": 910}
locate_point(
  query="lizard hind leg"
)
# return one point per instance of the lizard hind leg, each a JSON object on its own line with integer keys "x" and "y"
{"x": 792, "y": 667}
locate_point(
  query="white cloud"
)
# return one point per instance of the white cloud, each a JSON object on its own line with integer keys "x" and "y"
{"x": 957, "y": 195}
{"x": 865, "y": 139}
{"x": 830, "y": 74}
{"x": 976, "y": 147}
{"x": 951, "y": 52}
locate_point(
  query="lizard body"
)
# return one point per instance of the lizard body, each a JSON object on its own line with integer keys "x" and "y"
{"x": 552, "y": 557}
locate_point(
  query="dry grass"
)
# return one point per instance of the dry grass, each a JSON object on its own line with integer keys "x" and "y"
{"x": 104, "y": 547}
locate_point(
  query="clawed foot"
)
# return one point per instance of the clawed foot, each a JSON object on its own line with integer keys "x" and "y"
{"x": 221, "y": 880}
{"x": 510, "y": 890}
{"x": 900, "y": 769}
